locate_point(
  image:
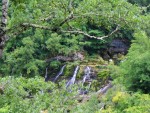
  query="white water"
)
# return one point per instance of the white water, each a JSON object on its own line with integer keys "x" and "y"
{"x": 46, "y": 75}
{"x": 87, "y": 73}
{"x": 73, "y": 79}
{"x": 60, "y": 73}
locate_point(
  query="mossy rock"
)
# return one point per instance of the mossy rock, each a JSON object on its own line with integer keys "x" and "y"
{"x": 70, "y": 67}
{"x": 103, "y": 73}
{"x": 55, "y": 64}
{"x": 80, "y": 73}
{"x": 103, "y": 76}
{"x": 96, "y": 60}
{"x": 68, "y": 70}
{"x": 96, "y": 85}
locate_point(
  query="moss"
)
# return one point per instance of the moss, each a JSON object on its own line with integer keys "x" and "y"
{"x": 55, "y": 64}
{"x": 103, "y": 75}
{"x": 96, "y": 84}
{"x": 68, "y": 70}
{"x": 70, "y": 67}
{"x": 80, "y": 73}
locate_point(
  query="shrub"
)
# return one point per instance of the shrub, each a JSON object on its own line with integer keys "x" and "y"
{"x": 137, "y": 66}
{"x": 33, "y": 95}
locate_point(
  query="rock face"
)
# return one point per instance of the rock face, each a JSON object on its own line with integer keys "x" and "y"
{"x": 74, "y": 57}
{"x": 78, "y": 56}
{"x": 1, "y": 52}
{"x": 118, "y": 46}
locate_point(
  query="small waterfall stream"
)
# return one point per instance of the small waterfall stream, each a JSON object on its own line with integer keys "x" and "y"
{"x": 46, "y": 77}
{"x": 72, "y": 80}
{"x": 60, "y": 73}
{"x": 87, "y": 73}
{"x": 86, "y": 77}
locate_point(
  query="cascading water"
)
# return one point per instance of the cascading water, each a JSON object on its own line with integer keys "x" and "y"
{"x": 72, "y": 80}
{"x": 46, "y": 77}
{"x": 60, "y": 73}
{"x": 87, "y": 73}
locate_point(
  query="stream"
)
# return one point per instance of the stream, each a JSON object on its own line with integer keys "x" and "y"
{"x": 73, "y": 79}
{"x": 60, "y": 73}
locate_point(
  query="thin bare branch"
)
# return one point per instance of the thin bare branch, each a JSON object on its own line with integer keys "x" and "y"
{"x": 35, "y": 26}
{"x": 70, "y": 6}
{"x": 47, "y": 18}
{"x": 67, "y": 19}
{"x": 72, "y": 31}
{"x": 90, "y": 36}
{"x": 70, "y": 16}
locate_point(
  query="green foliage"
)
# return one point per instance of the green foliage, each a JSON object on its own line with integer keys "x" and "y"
{"x": 145, "y": 4}
{"x": 29, "y": 45}
{"x": 58, "y": 44}
{"x": 136, "y": 67}
{"x": 120, "y": 101}
{"x": 69, "y": 69}
{"x": 104, "y": 73}
{"x": 43, "y": 29}
{"x": 140, "y": 2}
{"x": 23, "y": 95}
{"x": 55, "y": 64}
{"x": 25, "y": 57}
{"x": 103, "y": 77}
{"x": 21, "y": 61}
{"x": 89, "y": 107}
{"x": 94, "y": 45}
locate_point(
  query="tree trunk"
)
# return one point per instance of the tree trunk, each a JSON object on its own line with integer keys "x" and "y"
{"x": 3, "y": 36}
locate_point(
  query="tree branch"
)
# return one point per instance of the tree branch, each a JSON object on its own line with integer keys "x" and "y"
{"x": 67, "y": 19}
{"x": 70, "y": 6}
{"x": 35, "y": 26}
{"x": 70, "y": 16}
{"x": 73, "y": 31}
{"x": 90, "y": 36}
{"x": 47, "y": 18}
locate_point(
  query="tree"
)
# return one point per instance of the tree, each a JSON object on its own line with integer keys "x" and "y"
{"x": 3, "y": 36}
{"x": 136, "y": 67}
{"x": 61, "y": 27}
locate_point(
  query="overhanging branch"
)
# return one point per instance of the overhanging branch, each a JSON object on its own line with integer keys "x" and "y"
{"x": 72, "y": 31}
{"x": 48, "y": 18}
{"x": 35, "y": 26}
{"x": 90, "y": 36}
{"x": 67, "y": 19}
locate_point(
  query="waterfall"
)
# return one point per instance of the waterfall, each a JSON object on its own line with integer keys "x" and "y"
{"x": 72, "y": 80}
{"x": 60, "y": 73}
{"x": 87, "y": 73}
{"x": 104, "y": 89}
{"x": 46, "y": 77}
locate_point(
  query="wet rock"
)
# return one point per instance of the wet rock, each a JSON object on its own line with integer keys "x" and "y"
{"x": 105, "y": 55}
{"x": 118, "y": 46}
{"x": 83, "y": 92}
{"x": 1, "y": 52}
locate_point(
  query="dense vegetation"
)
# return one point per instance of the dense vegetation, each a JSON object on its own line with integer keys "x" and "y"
{"x": 39, "y": 35}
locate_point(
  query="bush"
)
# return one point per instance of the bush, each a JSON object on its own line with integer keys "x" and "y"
{"x": 137, "y": 66}
{"x": 33, "y": 95}
{"x": 118, "y": 100}
{"x": 124, "y": 102}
